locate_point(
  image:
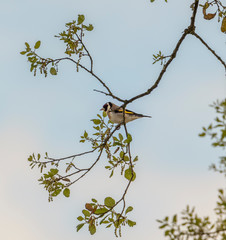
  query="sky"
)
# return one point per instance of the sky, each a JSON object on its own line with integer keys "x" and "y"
{"x": 39, "y": 114}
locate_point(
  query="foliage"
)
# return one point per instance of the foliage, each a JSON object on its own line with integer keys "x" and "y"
{"x": 220, "y": 11}
{"x": 217, "y": 133}
{"x": 190, "y": 225}
{"x": 116, "y": 148}
{"x": 159, "y": 57}
{"x": 95, "y": 213}
{"x": 73, "y": 39}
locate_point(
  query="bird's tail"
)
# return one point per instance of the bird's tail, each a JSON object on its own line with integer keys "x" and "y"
{"x": 145, "y": 116}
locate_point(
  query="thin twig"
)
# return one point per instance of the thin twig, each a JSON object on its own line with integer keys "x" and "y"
{"x": 72, "y": 156}
{"x": 89, "y": 71}
{"x": 90, "y": 57}
{"x": 98, "y": 158}
{"x": 209, "y": 48}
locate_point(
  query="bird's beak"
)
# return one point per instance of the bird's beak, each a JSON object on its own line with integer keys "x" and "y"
{"x": 102, "y": 109}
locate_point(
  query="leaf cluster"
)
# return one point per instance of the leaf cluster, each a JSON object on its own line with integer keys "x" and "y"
{"x": 190, "y": 226}
{"x": 53, "y": 183}
{"x": 102, "y": 129}
{"x": 220, "y": 11}
{"x": 96, "y": 214}
{"x": 159, "y": 57}
{"x": 217, "y": 132}
{"x": 73, "y": 39}
{"x": 73, "y": 36}
{"x": 38, "y": 62}
{"x": 116, "y": 148}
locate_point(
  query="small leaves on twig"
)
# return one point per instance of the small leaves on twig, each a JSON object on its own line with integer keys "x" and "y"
{"x": 159, "y": 57}
{"x": 72, "y": 37}
{"x": 96, "y": 214}
{"x": 217, "y": 133}
{"x": 190, "y": 226}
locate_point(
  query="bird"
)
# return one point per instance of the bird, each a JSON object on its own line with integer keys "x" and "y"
{"x": 115, "y": 113}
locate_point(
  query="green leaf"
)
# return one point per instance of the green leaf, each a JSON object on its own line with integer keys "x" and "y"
{"x": 37, "y": 44}
{"x": 129, "y": 209}
{"x": 96, "y": 121}
{"x": 30, "y": 158}
{"x": 54, "y": 171}
{"x": 88, "y": 28}
{"x": 126, "y": 158}
{"x": 23, "y": 52}
{"x": 80, "y": 226}
{"x": 129, "y": 139}
{"x": 85, "y": 134}
{"x": 121, "y": 154}
{"x": 104, "y": 114}
{"x": 131, "y": 223}
{"x": 66, "y": 192}
{"x": 53, "y": 71}
{"x": 92, "y": 229}
{"x": 94, "y": 200}
{"x": 101, "y": 211}
{"x": 112, "y": 172}
{"x": 120, "y": 136}
{"x": 81, "y": 19}
{"x": 175, "y": 218}
{"x": 80, "y": 218}
{"x": 202, "y": 134}
{"x": 135, "y": 159}
{"x": 109, "y": 202}
{"x": 128, "y": 174}
{"x": 86, "y": 213}
{"x": 56, "y": 192}
{"x": 27, "y": 45}
{"x": 163, "y": 226}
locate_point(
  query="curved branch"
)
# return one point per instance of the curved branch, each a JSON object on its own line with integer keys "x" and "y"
{"x": 187, "y": 31}
{"x": 91, "y": 72}
{"x": 98, "y": 158}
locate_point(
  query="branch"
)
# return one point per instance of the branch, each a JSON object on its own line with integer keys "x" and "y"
{"x": 187, "y": 31}
{"x": 98, "y": 158}
{"x": 72, "y": 156}
{"x": 91, "y": 60}
{"x": 196, "y": 4}
{"x": 209, "y": 48}
{"x": 89, "y": 71}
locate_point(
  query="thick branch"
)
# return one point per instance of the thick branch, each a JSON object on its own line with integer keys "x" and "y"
{"x": 173, "y": 55}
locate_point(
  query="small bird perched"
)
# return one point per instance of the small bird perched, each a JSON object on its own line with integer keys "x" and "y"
{"x": 115, "y": 113}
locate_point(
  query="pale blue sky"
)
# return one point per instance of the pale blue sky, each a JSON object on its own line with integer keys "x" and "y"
{"x": 49, "y": 114}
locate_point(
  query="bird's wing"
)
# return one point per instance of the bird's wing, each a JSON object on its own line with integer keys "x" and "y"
{"x": 120, "y": 110}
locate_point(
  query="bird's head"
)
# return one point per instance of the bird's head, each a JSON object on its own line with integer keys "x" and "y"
{"x": 107, "y": 107}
